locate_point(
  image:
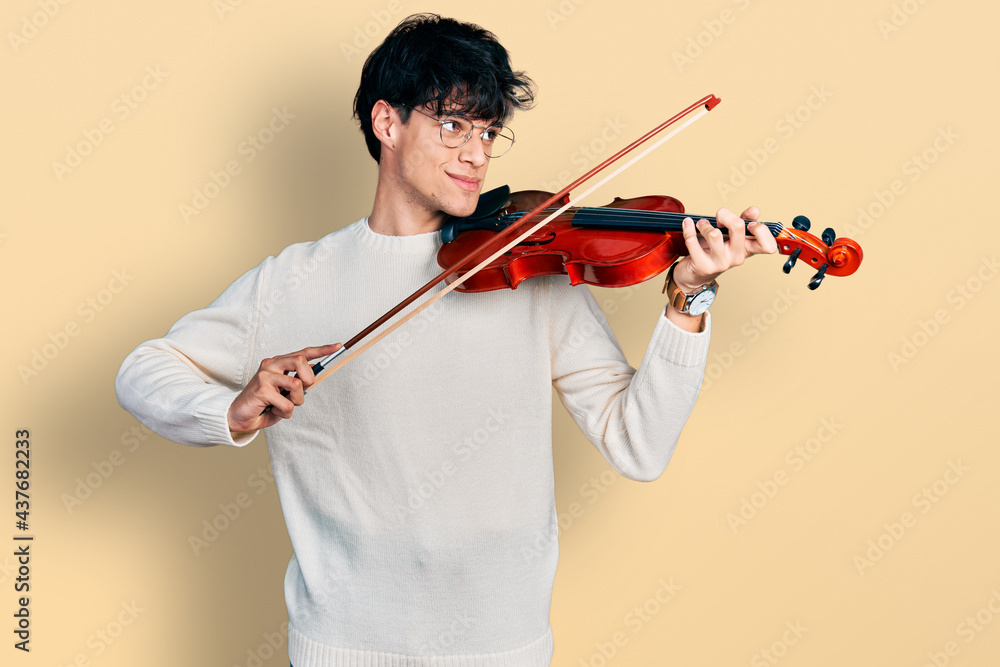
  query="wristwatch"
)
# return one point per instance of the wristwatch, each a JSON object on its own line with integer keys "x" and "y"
{"x": 695, "y": 303}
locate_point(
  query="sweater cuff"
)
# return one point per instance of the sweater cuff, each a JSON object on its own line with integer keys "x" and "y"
{"x": 213, "y": 416}
{"x": 680, "y": 347}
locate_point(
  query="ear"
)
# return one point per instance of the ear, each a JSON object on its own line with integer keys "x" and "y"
{"x": 384, "y": 120}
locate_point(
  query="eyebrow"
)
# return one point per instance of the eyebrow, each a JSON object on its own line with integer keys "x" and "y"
{"x": 459, "y": 114}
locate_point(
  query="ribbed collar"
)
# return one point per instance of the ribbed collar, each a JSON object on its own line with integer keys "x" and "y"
{"x": 416, "y": 243}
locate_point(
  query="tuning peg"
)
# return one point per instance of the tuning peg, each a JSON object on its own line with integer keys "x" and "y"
{"x": 829, "y": 236}
{"x": 787, "y": 268}
{"x": 818, "y": 278}
{"x": 801, "y": 223}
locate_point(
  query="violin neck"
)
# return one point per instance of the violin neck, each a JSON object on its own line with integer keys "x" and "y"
{"x": 597, "y": 218}
{"x": 637, "y": 220}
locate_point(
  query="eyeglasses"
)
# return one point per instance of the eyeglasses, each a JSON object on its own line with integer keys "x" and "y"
{"x": 456, "y": 131}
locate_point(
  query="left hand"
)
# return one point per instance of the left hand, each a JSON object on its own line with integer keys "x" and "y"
{"x": 710, "y": 253}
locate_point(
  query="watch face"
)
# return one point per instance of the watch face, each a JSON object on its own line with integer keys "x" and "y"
{"x": 701, "y": 301}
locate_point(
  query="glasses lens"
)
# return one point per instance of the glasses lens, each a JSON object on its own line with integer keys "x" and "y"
{"x": 497, "y": 141}
{"x": 455, "y": 131}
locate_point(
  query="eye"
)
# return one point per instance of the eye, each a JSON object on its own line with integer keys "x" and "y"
{"x": 489, "y": 134}
{"x": 451, "y": 125}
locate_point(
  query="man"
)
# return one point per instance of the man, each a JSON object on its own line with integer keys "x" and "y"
{"x": 417, "y": 486}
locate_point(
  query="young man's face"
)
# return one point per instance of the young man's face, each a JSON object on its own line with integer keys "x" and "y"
{"x": 435, "y": 177}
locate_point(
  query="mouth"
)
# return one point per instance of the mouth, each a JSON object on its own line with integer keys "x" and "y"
{"x": 468, "y": 184}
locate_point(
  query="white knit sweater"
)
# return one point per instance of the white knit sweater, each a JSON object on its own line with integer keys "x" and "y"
{"x": 417, "y": 481}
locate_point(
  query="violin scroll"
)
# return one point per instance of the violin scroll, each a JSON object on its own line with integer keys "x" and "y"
{"x": 829, "y": 255}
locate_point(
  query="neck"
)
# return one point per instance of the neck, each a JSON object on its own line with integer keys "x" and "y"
{"x": 396, "y": 214}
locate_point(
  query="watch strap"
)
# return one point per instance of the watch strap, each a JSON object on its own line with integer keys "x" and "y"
{"x": 678, "y": 298}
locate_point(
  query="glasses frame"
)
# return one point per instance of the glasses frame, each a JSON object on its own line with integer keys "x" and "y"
{"x": 450, "y": 118}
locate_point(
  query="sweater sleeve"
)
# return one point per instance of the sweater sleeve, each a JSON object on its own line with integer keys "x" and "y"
{"x": 181, "y": 386}
{"x": 633, "y": 417}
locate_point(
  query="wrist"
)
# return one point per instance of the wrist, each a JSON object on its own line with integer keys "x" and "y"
{"x": 686, "y": 280}
{"x": 691, "y": 288}
{"x": 686, "y": 299}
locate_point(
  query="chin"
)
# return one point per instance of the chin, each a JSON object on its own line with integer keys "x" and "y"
{"x": 462, "y": 208}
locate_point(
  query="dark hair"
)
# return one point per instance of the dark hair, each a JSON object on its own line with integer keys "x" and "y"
{"x": 439, "y": 61}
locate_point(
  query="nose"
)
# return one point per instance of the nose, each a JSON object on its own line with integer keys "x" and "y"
{"x": 473, "y": 151}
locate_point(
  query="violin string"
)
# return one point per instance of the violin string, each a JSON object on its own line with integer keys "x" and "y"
{"x": 637, "y": 213}
{"x": 632, "y": 212}
{"x": 650, "y": 217}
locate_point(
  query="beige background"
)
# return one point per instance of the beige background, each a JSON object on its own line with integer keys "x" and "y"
{"x": 813, "y": 370}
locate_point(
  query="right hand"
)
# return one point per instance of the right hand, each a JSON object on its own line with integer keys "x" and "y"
{"x": 265, "y": 388}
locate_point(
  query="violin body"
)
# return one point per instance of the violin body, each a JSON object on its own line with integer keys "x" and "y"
{"x": 623, "y": 243}
{"x": 596, "y": 256}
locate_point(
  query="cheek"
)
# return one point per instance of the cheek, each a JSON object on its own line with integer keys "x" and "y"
{"x": 426, "y": 149}
{"x": 420, "y": 159}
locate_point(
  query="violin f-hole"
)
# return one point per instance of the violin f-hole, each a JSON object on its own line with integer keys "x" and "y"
{"x": 552, "y": 237}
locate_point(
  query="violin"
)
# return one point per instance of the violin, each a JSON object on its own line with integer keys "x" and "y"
{"x": 622, "y": 243}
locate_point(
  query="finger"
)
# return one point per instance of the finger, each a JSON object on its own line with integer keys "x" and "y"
{"x": 280, "y": 405}
{"x": 737, "y": 232}
{"x": 269, "y": 383}
{"x": 303, "y": 371}
{"x": 751, "y": 213}
{"x": 763, "y": 241}
{"x": 247, "y": 412}
{"x": 318, "y": 352}
{"x": 692, "y": 241}
{"x": 293, "y": 362}
{"x": 281, "y": 364}
{"x": 716, "y": 240}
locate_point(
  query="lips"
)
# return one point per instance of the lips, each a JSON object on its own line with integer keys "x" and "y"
{"x": 465, "y": 182}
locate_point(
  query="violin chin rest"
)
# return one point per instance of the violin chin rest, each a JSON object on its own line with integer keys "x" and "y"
{"x": 491, "y": 202}
{"x": 488, "y": 206}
